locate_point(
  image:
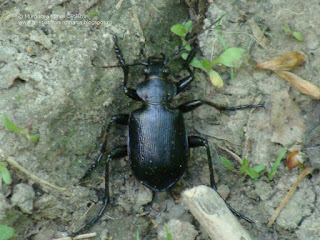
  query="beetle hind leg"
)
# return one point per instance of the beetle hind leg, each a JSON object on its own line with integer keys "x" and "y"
{"x": 118, "y": 152}
{"x": 195, "y": 141}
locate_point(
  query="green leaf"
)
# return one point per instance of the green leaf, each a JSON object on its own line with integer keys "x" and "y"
{"x": 3, "y": 164}
{"x": 197, "y": 64}
{"x": 206, "y": 64}
{"x": 231, "y": 57}
{"x": 232, "y": 74}
{"x": 5, "y": 175}
{"x": 298, "y": 36}
{"x": 287, "y": 29}
{"x": 259, "y": 168}
{"x": 215, "y": 61}
{"x": 33, "y": 138}
{"x": 223, "y": 43}
{"x": 188, "y": 25}
{"x": 168, "y": 234}
{"x": 138, "y": 236}
{"x": 179, "y": 30}
{"x": 186, "y": 45}
{"x": 227, "y": 163}
{"x": 10, "y": 125}
{"x": 276, "y": 163}
{"x": 219, "y": 20}
{"x": 6, "y": 232}
{"x": 184, "y": 56}
{"x": 93, "y": 13}
{"x": 218, "y": 27}
{"x": 253, "y": 174}
{"x": 215, "y": 79}
{"x": 244, "y": 166}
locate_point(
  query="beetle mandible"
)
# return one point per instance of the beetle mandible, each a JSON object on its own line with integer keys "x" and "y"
{"x": 157, "y": 144}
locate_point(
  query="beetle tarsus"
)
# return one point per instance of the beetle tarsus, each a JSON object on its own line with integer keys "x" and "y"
{"x": 195, "y": 141}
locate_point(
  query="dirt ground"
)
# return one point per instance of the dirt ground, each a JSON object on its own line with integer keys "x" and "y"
{"x": 52, "y": 83}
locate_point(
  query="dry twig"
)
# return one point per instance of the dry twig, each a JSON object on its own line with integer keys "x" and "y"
{"x": 118, "y": 6}
{"x": 82, "y": 236}
{"x": 304, "y": 173}
{"x": 40, "y": 181}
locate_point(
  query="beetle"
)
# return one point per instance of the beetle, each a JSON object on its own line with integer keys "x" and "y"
{"x": 157, "y": 144}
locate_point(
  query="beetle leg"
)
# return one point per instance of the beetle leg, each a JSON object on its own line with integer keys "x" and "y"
{"x": 195, "y": 141}
{"x": 130, "y": 92}
{"x": 189, "y": 106}
{"x": 118, "y": 152}
{"x": 121, "y": 119}
{"x": 185, "y": 82}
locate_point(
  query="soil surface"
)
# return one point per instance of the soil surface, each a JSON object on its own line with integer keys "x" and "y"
{"x": 52, "y": 84}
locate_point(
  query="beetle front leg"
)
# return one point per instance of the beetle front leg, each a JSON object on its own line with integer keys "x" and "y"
{"x": 121, "y": 119}
{"x": 189, "y": 106}
{"x": 185, "y": 82}
{"x": 118, "y": 152}
{"x": 130, "y": 92}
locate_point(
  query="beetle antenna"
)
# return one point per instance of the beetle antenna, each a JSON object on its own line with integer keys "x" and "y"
{"x": 133, "y": 64}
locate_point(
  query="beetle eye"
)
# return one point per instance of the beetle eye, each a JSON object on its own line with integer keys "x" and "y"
{"x": 146, "y": 71}
{"x": 166, "y": 70}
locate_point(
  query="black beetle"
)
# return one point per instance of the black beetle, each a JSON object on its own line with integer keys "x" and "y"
{"x": 158, "y": 145}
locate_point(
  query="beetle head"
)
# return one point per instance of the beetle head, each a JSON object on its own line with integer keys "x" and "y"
{"x": 155, "y": 91}
{"x": 156, "y": 68}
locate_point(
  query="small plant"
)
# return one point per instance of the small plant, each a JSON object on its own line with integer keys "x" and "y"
{"x": 182, "y": 31}
{"x": 276, "y": 163}
{"x": 167, "y": 232}
{"x": 4, "y": 174}
{"x": 253, "y": 172}
{"x": 295, "y": 34}
{"x": 230, "y": 57}
{"x": 6, "y": 232}
{"x": 227, "y": 163}
{"x": 14, "y": 128}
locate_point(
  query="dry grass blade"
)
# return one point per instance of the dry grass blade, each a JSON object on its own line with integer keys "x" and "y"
{"x": 38, "y": 180}
{"x": 82, "y": 236}
{"x": 286, "y": 61}
{"x": 288, "y": 196}
{"x": 300, "y": 84}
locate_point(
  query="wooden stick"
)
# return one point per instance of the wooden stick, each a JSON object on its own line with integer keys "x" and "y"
{"x": 288, "y": 196}
{"x": 213, "y": 214}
